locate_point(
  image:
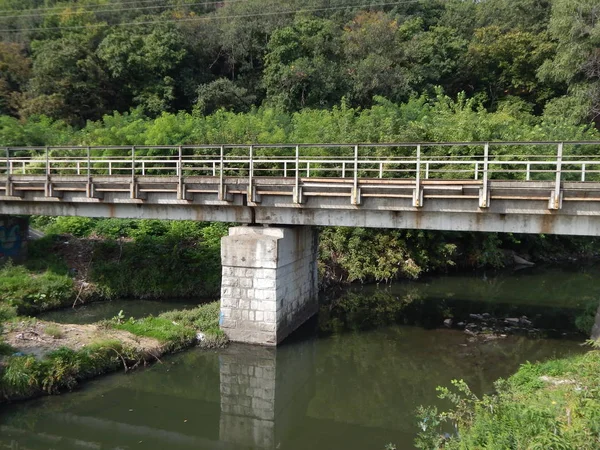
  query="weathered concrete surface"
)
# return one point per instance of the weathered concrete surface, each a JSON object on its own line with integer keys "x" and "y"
{"x": 13, "y": 238}
{"x": 453, "y": 205}
{"x": 270, "y": 282}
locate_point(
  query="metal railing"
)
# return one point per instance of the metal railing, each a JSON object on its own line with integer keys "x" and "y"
{"x": 529, "y": 161}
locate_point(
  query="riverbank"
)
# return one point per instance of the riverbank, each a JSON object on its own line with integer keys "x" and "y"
{"x": 39, "y": 357}
{"x": 549, "y": 405}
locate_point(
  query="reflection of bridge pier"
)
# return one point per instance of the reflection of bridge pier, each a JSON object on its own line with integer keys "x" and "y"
{"x": 262, "y": 392}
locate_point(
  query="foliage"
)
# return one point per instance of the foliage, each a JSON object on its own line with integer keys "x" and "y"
{"x": 31, "y": 292}
{"x": 73, "y": 64}
{"x": 551, "y": 405}
{"x": 178, "y": 329}
{"x": 24, "y": 376}
{"x": 54, "y": 331}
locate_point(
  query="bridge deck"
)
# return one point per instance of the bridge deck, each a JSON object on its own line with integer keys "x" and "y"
{"x": 403, "y": 186}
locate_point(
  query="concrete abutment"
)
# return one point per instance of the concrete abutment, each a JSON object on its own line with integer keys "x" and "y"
{"x": 270, "y": 282}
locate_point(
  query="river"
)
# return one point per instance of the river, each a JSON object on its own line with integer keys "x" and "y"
{"x": 340, "y": 386}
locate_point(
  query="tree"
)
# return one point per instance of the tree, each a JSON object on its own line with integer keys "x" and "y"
{"x": 303, "y": 65}
{"x": 575, "y": 25}
{"x": 505, "y": 63}
{"x": 15, "y": 71}
{"x": 222, "y": 94}
{"x": 68, "y": 79}
{"x": 375, "y": 58}
{"x": 144, "y": 60}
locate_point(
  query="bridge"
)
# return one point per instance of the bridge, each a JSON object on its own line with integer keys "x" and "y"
{"x": 269, "y": 281}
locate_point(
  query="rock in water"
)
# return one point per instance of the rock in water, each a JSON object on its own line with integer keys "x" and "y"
{"x": 522, "y": 261}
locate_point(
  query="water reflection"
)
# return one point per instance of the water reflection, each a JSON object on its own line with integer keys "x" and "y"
{"x": 264, "y": 393}
{"x": 347, "y": 391}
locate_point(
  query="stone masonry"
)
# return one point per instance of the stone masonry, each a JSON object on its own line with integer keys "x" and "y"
{"x": 270, "y": 283}
{"x": 265, "y": 392}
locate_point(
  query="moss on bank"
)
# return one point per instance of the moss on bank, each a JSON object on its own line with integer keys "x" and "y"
{"x": 23, "y": 376}
{"x": 550, "y": 405}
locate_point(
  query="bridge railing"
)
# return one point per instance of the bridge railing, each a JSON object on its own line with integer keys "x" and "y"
{"x": 534, "y": 161}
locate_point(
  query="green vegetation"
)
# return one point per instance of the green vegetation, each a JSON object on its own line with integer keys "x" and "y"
{"x": 72, "y": 62}
{"x": 54, "y": 331}
{"x": 62, "y": 369}
{"x": 147, "y": 259}
{"x": 26, "y": 376}
{"x": 550, "y": 405}
{"x": 33, "y": 291}
{"x": 177, "y": 329}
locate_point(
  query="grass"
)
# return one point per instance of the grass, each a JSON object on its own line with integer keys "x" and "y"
{"x": 178, "y": 329}
{"x": 26, "y": 376}
{"x": 54, "y": 331}
{"x": 550, "y": 405}
{"x": 31, "y": 292}
{"x": 63, "y": 369}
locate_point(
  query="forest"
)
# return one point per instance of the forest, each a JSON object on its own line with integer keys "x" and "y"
{"x": 75, "y": 62}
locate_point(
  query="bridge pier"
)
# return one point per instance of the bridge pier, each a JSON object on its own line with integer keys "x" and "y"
{"x": 270, "y": 282}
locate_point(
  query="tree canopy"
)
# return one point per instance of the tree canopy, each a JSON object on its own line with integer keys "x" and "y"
{"x": 80, "y": 60}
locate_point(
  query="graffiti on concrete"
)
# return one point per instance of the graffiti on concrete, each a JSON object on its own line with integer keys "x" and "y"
{"x": 11, "y": 238}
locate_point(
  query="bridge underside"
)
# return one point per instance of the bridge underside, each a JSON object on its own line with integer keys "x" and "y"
{"x": 510, "y": 206}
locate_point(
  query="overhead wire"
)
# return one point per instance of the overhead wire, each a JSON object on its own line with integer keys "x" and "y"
{"x": 134, "y": 8}
{"x": 211, "y": 17}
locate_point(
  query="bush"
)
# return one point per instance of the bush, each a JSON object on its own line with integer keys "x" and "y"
{"x": 32, "y": 292}
{"x": 76, "y": 226}
{"x": 551, "y": 405}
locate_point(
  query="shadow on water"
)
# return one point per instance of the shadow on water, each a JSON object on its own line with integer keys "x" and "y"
{"x": 320, "y": 390}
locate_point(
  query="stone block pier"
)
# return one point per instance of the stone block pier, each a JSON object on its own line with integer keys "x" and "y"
{"x": 270, "y": 282}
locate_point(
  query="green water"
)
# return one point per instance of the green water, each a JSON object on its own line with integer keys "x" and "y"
{"x": 347, "y": 390}
{"x": 106, "y": 310}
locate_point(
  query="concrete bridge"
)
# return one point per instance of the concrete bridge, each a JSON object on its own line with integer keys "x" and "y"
{"x": 269, "y": 274}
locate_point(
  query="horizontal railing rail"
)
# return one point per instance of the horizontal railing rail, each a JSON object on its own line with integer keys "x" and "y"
{"x": 350, "y": 163}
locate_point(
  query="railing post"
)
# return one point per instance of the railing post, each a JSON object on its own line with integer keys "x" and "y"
{"x": 583, "y": 172}
{"x": 556, "y": 199}
{"x": 48, "y": 185}
{"x": 308, "y": 169}
{"x": 133, "y": 163}
{"x": 180, "y": 188}
{"x": 380, "y": 170}
{"x": 343, "y": 169}
{"x": 285, "y": 169}
{"x": 221, "y": 193}
{"x": 484, "y": 196}
{"x": 8, "y": 188}
{"x": 355, "y": 198}
{"x": 476, "y": 170}
{"x": 418, "y": 192}
{"x": 528, "y": 173}
{"x": 89, "y": 187}
{"x": 427, "y": 170}
{"x": 251, "y": 196}
{"x": 47, "y": 162}
{"x": 132, "y": 187}
{"x": 297, "y": 194}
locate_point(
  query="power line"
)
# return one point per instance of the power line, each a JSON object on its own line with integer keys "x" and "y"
{"x": 123, "y": 9}
{"x": 52, "y": 8}
{"x": 210, "y": 18}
